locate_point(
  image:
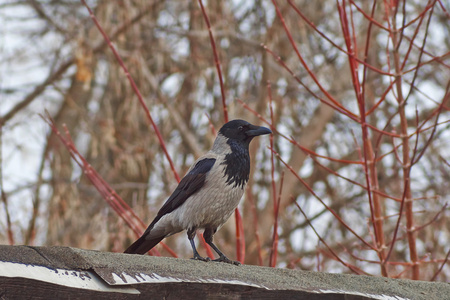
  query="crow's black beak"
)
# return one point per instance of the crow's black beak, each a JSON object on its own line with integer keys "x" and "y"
{"x": 258, "y": 130}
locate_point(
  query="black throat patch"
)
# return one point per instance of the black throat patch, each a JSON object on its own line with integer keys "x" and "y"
{"x": 237, "y": 164}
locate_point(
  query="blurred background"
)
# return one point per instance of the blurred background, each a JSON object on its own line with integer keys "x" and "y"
{"x": 356, "y": 91}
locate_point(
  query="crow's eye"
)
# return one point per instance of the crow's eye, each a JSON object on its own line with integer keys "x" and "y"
{"x": 241, "y": 128}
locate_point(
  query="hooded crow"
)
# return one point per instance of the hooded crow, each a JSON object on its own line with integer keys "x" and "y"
{"x": 209, "y": 193}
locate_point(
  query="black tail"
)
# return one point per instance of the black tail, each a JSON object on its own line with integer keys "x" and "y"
{"x": 143, "y": 245}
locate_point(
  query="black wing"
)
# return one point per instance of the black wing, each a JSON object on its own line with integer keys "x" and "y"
{"x": 189, "y": 185}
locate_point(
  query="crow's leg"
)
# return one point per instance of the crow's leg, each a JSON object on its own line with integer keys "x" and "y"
{"x": 191, "y": 235}
{"x": 208, "y": 235}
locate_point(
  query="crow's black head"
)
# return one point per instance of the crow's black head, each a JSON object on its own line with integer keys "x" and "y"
{"x": 238, "y": 135}
{"x": 243, "y": 131}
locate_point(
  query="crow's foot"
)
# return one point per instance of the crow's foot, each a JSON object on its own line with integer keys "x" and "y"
{"x": 227, "y": 260}
{"x": 198, "y": 257}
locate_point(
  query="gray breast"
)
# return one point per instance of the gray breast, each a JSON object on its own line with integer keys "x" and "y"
{"x": 213, "y": 204}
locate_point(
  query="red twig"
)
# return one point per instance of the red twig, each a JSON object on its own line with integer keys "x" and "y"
{"x": 211, "y": 125}
{"x": 272, "y": 170}
{"x": 418, "y": 228}
{"x": 436, "y": 58}
{"x": 274, "y": 253}
{"x": 251, "y": 200}
{"x": 205, "y": 245}
{"x": 350, "y": 48}
{"x": 443, "y": 9}
{"x": 366, "y": 58}
{"x": 416, "y": 32}
{"x": 441, "y": 267}
{"x": 276, "y": 200}
{"x": 382, "y": 98}
{"x": 216, "y": 60}
{"x": 428, "y": 142}
{"x": 240, "y": 238}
